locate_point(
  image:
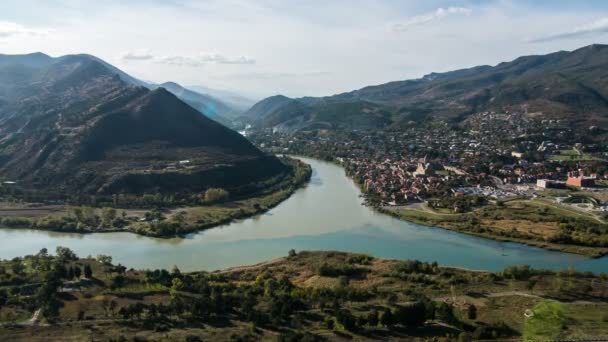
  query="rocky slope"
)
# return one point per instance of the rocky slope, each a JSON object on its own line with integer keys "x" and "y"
{"x": 73, "y": 124}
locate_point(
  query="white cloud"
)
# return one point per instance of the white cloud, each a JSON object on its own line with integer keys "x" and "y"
{"x": 438, "y": 14}
{"x": 185, "y": 60}
{"x": 11, "y": 29}
{"x": 271, "y": 75}
{"x": 204, "y": 58}
{"x": 596, "y": 27}
{"x": 136, "y": 56}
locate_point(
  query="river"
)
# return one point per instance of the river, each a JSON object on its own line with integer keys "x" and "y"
{"x": 325, "y": 215}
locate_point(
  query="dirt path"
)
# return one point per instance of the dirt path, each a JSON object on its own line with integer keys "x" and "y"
{"x": 420, "y": 206}
{"x": 252, "y": 267}
{"x": 462, "y": 299}
{"x": 574, "y": 210}
{"x": 34, "y": 318}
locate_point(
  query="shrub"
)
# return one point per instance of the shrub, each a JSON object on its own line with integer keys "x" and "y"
{"x": 215, "y": 195}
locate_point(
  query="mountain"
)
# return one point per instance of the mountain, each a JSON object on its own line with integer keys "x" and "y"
{"x": 234, "y": 100}
{"x": 267, "y": 106}
{"x": 287, "y": 114}
{"x": 74, "y": 125}
{"x": 571, "y": 86}
{"x": 208, "y": 105}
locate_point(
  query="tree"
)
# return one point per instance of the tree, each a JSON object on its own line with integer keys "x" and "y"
{"x": 472, "y": 312}
{"x": 175, "y": 272}
{"x": 180, "y": 217}
{"x": 88, "y": 272}
{"x": 292, "y": 253}
{"x": 445, "y": 312}
{"x": 17, "y": 267}
{"x": 107, "y": 216}
{"x": 78, "y": 214}
{"x": 104, "y": 259}
{"x": 329, "y": 322}
{"x": 214, "y": 195}
{"x": 77, "y": 272}
{"x": 176, "y": 286}
{"x": 88, "y": 215}
{"x": 47, "y": 293}
{"x": 65, "y": 253}
{"x": 412, "y": 315}
{"x": 3, "y": 297}
{"x": 118, "y": 281}
{"x": 387, "y": 318}
{"x": 70, "y": 274}
{"x": 347, "y": 319}
{"x": 372, "y": 318}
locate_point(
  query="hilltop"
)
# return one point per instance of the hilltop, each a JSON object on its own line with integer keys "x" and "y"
{"x": 211, "y": 107}
{"x": 569, "y": 86}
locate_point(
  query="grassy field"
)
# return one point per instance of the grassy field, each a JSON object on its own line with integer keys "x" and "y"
{"x": 573, "y": 155}
{"x": 533, "y": 222}
{"x": 322, "y": 287}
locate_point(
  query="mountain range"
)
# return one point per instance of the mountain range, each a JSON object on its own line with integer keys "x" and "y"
{"x": 75, "y": 124}
{"x": 571, "y": 86}
{"x": 232, "y": 99}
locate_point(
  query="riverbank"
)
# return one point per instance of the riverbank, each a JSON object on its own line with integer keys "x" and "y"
{"x": 531, "y": 222}
{"x": 163, "y": 222}
{"x": 315, "y": 296}
{"x": 506, "y": 227}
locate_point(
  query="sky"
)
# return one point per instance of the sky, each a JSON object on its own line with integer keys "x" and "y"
{"x": 298, "y": 48}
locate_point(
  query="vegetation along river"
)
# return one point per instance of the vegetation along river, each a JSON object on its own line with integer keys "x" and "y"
{"x": 325, "y": 215}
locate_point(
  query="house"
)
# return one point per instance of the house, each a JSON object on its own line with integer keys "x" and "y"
{"x": 426, "y": 168}
{"x": 581, "y": 181}
{"x": 547, "y": 183}
{"x": 578, "y": 179}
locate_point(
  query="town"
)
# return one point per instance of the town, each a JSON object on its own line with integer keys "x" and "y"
{"x": 497, "y": 155}
{"x": 428, "y": 173}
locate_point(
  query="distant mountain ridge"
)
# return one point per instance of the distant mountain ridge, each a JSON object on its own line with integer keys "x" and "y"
{"x": 563, "y": 85}
{"x": 232, "y": 99}
{"x": 75, "y": 124}
{"x": 209, "y": 106}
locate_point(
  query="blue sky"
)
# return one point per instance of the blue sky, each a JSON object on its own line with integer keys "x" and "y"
{"x": 298, "y": 48}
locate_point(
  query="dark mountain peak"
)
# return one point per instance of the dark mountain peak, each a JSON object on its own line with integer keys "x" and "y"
{"x": 593, "y": 47}
{"x": 267, "y": 106}
{"x": 278, "y": 97}
{"x": 159, "y": 97}
{"x": 114, "y": 70}
{"x": 75, "y": 71}
{"x": 36, "y": 59}
{"x": 171, "y": 85}
{"x": 78, "y": 124}
{"x": 205, "y": 104}
{"x": 161, "y": 92}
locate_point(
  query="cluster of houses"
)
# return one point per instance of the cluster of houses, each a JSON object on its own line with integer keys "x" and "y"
{"x": 399, "y": 181}
{"x": 486, "y": 151}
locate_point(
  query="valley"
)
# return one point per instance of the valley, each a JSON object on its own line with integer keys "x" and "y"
{"x": 465, "y": 205}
